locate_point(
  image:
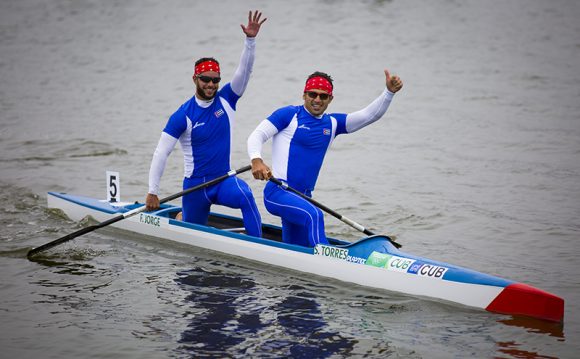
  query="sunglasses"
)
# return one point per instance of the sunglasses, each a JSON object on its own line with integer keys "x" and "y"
{"x": 313, "y": 95}
{"x": 207, "y": 79}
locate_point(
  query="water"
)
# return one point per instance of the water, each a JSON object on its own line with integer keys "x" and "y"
{"x": 476, "y": 164}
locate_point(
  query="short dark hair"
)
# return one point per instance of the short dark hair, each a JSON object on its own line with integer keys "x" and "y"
{"x": 204, "y": 59}
{"x": 321, "y": 74}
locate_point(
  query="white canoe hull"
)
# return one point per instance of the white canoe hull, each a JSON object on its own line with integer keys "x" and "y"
{"x": 387, "y": 268}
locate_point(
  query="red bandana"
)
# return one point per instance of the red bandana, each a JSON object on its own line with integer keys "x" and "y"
{"x": 207, "y": 66}
{"x": 318, "y": 83}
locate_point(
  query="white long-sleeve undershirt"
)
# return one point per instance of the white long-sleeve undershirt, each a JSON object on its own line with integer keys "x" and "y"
{"x": 258, "y": 137}
{"x": 244, "y": 70}
{"x": 374, "y": 111}
{"x": 354, "y": 122}
{"x": 164, "y": 147}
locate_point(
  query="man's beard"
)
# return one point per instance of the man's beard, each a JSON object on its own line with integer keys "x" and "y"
{"x": 201, "y": 94}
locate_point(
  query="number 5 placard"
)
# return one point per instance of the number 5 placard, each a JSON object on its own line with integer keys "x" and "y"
{"x": 113, "y": 187}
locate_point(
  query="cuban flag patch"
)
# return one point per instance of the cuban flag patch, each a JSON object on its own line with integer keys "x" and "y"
{"x": 326, "y": 131}
{"x": 219, "y": 112}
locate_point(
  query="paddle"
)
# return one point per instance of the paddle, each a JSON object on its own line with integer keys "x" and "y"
{"x": 346, "y": 220}
{"x": 132, "y": 212}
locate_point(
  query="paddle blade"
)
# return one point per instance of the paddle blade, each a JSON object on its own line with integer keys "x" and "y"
{"x": 73, "y": 235}
{"x": 56, "y": 242}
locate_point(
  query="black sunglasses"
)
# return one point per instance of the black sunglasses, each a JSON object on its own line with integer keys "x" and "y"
{"x": 313, "y": 95}
{"x": 207, "y": 79}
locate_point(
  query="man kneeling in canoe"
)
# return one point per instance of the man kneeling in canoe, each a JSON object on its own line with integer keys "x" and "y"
{"x": 301, "y": 135}
{"x": 202, "y": 125}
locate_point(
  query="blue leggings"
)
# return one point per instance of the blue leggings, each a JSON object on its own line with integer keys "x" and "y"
{"x": 302, "y": 222}
{"x": 231, "y": 192}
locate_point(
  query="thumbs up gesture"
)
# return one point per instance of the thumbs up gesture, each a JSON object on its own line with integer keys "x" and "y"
{"x": 394, "y": 83}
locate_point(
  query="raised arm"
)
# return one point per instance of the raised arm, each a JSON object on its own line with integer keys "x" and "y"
{"x": 242, "y": 74}
{"x": 359, "y": 119}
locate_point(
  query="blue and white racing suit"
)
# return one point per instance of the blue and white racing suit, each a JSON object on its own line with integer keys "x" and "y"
{"x": 299, "y": 144}
{"x": 204, "y": 131}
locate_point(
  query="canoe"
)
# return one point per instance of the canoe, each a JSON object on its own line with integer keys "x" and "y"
{"x": 371, "y": 261}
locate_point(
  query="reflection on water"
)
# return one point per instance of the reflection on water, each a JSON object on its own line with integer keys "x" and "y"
{"x": 516, "y": 348}
{"x": 536, "y": 326}
{"x": 302, "y": 321}
{"x": 217, "y": 327}
{"x": 512, "y": 349}
{"x": 230, "y": 315}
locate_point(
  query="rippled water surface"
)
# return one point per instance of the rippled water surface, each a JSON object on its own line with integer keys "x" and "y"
{"x": 477, "y": 163}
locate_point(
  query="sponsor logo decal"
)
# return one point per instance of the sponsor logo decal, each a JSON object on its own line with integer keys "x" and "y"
{"x": 390, "y": 262}
{"x": 432, "y": 271}
{"x": 304, "y": 127}
{"x": 357, "y": 260}
{"x": 387, "y": 261}
{"x": 414, "y": 268}
{"x": 197, "y": 124}
{"x": 399, "y": 264}
{"x": 406, "y": 265}
{"x": 427, "y": 270}
{"x": 377, "y": 259}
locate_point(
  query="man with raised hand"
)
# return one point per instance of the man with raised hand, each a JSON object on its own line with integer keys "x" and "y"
{"x": 301, "y": 135}
{"x": 203, "y": 127}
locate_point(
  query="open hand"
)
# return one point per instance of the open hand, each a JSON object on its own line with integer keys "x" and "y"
{"x": 254, "y": 23}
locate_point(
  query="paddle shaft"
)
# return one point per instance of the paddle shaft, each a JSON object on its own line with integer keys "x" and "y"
{"x": 333, "y": 213}
{"x": 132, "y": 212}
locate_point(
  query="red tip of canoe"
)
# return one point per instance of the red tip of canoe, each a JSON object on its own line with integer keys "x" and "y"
{"x": 522, "y": 299}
